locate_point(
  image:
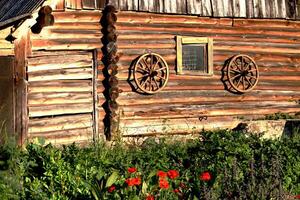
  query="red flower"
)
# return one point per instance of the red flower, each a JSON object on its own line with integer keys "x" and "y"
{"x": 163, "y": 183}
{"x": 176, "y": 191}
{"x": 137, "y": 181}
{"x": 131, "y": 169}
{"x": 162, "y": 174}
{"x": 133, "y": 181}
{"x": 111, "y": 189}
{"x": 150, "y": 197}
{"x": 172, "y": 174}
{"x": 297, "y": 196}
{"x": 205, "y": 176}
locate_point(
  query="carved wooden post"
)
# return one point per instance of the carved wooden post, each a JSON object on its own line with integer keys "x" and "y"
{"x": 110, "y": 60}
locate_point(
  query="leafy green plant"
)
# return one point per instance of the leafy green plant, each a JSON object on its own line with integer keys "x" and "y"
{"x": 219, "y": 165}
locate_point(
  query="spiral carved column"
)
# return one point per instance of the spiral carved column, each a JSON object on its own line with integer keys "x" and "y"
{"x": 110, "y": 60}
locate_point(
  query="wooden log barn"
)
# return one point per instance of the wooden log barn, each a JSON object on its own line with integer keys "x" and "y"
{"x": 81, "y": 70}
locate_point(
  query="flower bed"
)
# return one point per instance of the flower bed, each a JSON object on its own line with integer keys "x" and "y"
{"x": 220, "y": 165}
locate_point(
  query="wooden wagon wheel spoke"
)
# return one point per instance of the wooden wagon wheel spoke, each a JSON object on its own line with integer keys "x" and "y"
{"x": 235, "y": 76}
{"x": 158, "y": 60}
{"x": 154, "y": 73}
{"x": 161, "y": 69}
{"x": 249, "y": 82}
{"x": 240, "y": 71}
{"x": 141, "y": 77}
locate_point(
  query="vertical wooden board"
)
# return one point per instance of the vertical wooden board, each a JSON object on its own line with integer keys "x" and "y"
{"x": 156, "y": 6}
{"x": 170, "y": 6}
{"x": 269, "y": 9}
{"x": 239, "y": 8}
{"x": 6, "y": 96}
{"x": 88, "y": 4}
{"x": 262, "y": 9}
{"x": 60, "y": 5}
{"x": 297, "y": 9}
{"x": 227, "y": 8}
{"x": 281, "y": 6}
{"x": 290, "y": 9}
{"x": 123, "y": 4}
{"x": 181, "y": 7}
{"x": 250, "y": 9}
{"x": 100, "y": 4}
{"x": 207, "y": 8}
{"x": 256, "y": 8}
{"x": 194, "y": 7}
{"x": 143, "y": 5}
{"x": 133, "y": 4}
{"x": 222, "y": 8}
{"x": 217, "y": 7}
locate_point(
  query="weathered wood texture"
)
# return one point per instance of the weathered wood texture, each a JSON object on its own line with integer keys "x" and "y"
{"x": 187, "y": 101}
{"x": 61, "y": 96}
{"x": 215, "y": 8}
{"x": 6, "y": 48}
{"x": 79, "y": 4}
{"x": 210, "y": 8}
{"x": 72, "y": 30}
{"x": 7, "y": 97}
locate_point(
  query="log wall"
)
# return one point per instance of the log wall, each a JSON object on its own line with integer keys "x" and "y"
{"x": 190, "y": 103}
{"x": 65, "y": 91}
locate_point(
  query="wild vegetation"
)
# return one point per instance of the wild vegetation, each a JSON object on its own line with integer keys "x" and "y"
{"x": 219, "y": 165}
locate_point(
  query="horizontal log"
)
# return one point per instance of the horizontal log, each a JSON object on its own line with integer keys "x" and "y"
{"x": 63, "y": 56}
{"x": 50, "y": 110}
{"x": 60, "y": 86}
{"x": 75, "y": 16}
{"x": 50, "y": 54}
{"x": 133, "y": 17}
{"x": 59, "y": 98}
{"x": 205, "y": 111}
{"x": 174, "y": 126}
{"x": 66, "y": 136}
{"x": 70, "y": 44}
{"x": 62, "y": 74}
{"x": 59, "y": 123}
{"x": 206, "y": 29}
{"x": 63, "y": 65}
{"x": 259, "y": 87}
{"x": 207, "y": 100}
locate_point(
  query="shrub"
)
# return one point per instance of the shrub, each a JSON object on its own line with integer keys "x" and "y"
{"x": 219, "y": 165}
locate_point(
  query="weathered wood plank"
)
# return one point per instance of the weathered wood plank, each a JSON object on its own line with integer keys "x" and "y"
{"x": 143, "y": 5}
{"x": 60, "y": 86}
{"x": 63, "y": 74}
{"x": 60, "y": 123}
{"x": 50, "y": 110}
{"x": 59, "y": 98}
{"x": 170, "y": 6}
{"x": 66, "y": 136}
{"x": 89, "y": 4}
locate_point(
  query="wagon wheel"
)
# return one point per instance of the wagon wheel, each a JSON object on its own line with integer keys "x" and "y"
{"x": 242, "y": 73}
{"x": 151, "y": 73}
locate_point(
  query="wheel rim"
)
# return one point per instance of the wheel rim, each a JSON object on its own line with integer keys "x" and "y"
{"x": 151, "y": 73}
{"x": 242, "y": 73}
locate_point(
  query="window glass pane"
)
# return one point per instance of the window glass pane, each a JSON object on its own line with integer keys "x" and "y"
{"x": 194, "y": 57}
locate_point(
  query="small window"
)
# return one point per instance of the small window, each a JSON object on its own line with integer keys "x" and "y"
{"x": 194, "y": 55}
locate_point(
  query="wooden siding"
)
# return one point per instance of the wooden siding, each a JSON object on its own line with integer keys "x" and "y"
{"x": 6, "y": 48}
{"x": 194, "y": 102}
{"x": 63, "y": 111}
{"x": 210, "y": 8}
{"x": 215, "y": 8}
{"x": 67, "y": 42}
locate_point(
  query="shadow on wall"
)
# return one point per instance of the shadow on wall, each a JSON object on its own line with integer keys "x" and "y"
{"x": 291, "y": 128}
